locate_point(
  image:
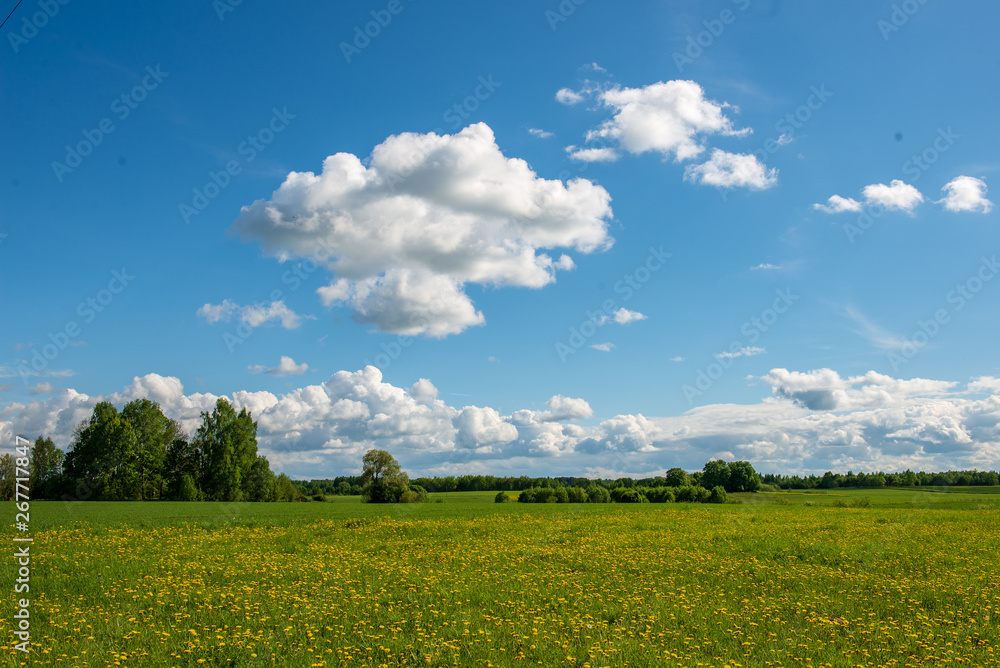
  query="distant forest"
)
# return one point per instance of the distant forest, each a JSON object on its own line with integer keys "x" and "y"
{"x": 140, "y": 454}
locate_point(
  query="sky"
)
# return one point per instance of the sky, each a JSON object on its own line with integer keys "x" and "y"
{"x": 519, "y": 238}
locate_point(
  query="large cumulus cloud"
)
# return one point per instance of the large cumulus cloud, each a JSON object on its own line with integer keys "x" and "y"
{"x": 407, "y": 230}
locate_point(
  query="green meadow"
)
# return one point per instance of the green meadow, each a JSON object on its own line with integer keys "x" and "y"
{"x": 882, "y": 577}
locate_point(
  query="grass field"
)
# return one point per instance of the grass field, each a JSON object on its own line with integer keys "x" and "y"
{"x": 848, "y": 578}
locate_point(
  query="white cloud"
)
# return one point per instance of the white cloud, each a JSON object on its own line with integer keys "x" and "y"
{"x": 286, "y": 367}
{"x": 732, "y": 170}
{"x": 603, "y": 347}
{"x": 815, "y": 421}
{"x": 677, "y": 359}
{"x": 42, "y": 387}
{"x": 568, "y": 97}
{"x": 838, "y": 204}
{"x": 428, "y": 214}
{"x": 745, "y": 351}
{"x": 623, "y": 316}
{"x": 671, "y": 118}
{"x": 253, "y": 315}
{"x": 966, "y": 193}
{"x": 542, "y": 134}
{"x": 897, "y": 196}
{"x": 592, "y": 154}
{"x": 767, "y": 266}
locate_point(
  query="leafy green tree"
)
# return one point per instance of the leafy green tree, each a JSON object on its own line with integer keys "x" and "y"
{"x": 501, "y": 497}
{"x": 284, "y": 489}
{"x": 715, "y": 473}
{"x": 677, "y": 477}
{"x": 104, "y": 459}
{"x": 343, "y": 488}
{"x": 382, "y": 479}
{"x": 46, "y": 468}
{"x": 259, "y": 484}
{"x": 154, "y": 432}
{"x": 742, "y": 478}
{"x": 187, "y": 490}
{"x": 7, "y": 477}
{"x": 598, "y": 494}
{"x": 184, "y": 458}
{"x": 229, "y": 445}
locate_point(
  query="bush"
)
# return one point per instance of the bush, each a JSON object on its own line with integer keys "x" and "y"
{"x": 718, "y": 495}
{"x": 420, "y": 492}
{"x": 660, "y": 495}
{"x": 701, "y": 495}
{"x": 188, "y": 490}
{"x": 576, "y": 495}
{"x": 526, "y": 496}
{"x": 409, "y": 496}
{"x": 501, "y": 497}
{"x": 561, "y": 495}
{"x": 319, "y": 497}
{"x": 631, "y": 496}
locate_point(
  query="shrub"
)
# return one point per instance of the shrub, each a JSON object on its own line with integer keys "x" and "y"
{"x": 718, "y": 495}
{"x": 409, "y": 496}
{"x": 632, "y": 496}
{"x": 319, "y": 497}
{"x": 561, "y": 495}
{"x": 660, "y": 495}
{"x": 576, "y": 495}
{"x": 501, "y": 497}
{"x": 701, "y": 495}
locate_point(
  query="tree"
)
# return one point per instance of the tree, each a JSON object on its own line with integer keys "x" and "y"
{"x": 229, "y": 444}
{"x": 184, "y": 459}
{"x": 743, "y": 478}
{"x": 382, "y": 479}
{"x": 105, "y": 457}
{"x": 715, "y": 473}
{"x": 259, "y": 483}
{"x": 46, "y": 468}
{"x": 188, "y": 491}
{"x": 284, "y": 489}
{"x": 154, "y": 432}
{"x": 7, "y": 477}
{"x": 677, "y": 477}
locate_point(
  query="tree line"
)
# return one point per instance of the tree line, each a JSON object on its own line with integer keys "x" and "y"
{"x": 139, "y": 454}
{"x": 831, "y": 480}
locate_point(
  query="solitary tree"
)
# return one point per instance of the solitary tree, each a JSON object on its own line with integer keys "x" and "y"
{"x": 382, "y": 479}
{"x": 743, "y": 478}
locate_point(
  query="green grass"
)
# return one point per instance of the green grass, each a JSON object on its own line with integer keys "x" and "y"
{"x": 906, "y": 579}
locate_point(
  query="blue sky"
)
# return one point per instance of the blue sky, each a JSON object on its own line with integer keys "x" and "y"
{"x": 568, "y": 238}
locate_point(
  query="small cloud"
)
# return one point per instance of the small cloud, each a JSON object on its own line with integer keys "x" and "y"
{"x": 6, "y": 387}
{"x": 732, "y": 170}
{"x": 603, "y": 347}
{"x": 876, "y": 335}
{"x": 745, "y": 351}
{"x": 595, "y": 67}
{"x": 966, "y": 193}
{"x": 895, "y": 196}
{"x": 592, "y": 154}
{"x": 767, "y": 266}
{"x": 838, "y": 204}
{"x": 568, "y": 97}
{"x": 542, "y": 134}
{"x": 677, "y": 359}
{"x": 623, "y": 316}
{"x": 491, "y": 358}
{"x": 42, "y": 387}
{"x": 286, "y": 367}
{"x": 253, "y": 315}
{"x": 77, "y": 344}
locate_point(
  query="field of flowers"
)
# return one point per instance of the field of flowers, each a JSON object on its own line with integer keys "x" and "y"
{"x": 477, "y": 584}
